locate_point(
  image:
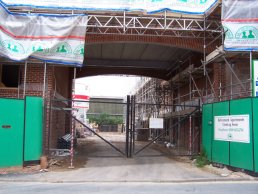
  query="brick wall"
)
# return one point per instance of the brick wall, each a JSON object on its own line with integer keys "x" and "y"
{"x": 58, "y": 79}
{"x": 187, "y": 43}
{"x": 59, "y": 122}
{"x": 9, "y": 92}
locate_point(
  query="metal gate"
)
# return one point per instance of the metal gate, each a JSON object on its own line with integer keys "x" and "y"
{"x": 189, "y": 115}
{"x": 61, "y": 121}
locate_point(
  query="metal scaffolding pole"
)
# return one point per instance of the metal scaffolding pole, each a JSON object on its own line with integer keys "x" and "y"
{"x": 204, "y": 47}
{"x": 190, "y": 118}
{"x": 195, "y": 85}
{"x": 73, "y": 123}
{"x": 234, "y": 73}
{"x": 134, "y": 101}
{"x": 251, "y": 73}
{"x": 25, "y": 77}
{"x": 179, "y": 123}
{"x": 19, "y": 78}
{"x": 209, "y": 80}
{"x": 44, "y": 82}
{"x": 190, "y": 135}
{"x": 127, "y": 126}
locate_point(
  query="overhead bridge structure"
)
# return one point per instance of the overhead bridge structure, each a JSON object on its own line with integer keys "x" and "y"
{"x": 156, "y": 25}
{"x": 182, "y": 55}
{"x": 139, "y": 43}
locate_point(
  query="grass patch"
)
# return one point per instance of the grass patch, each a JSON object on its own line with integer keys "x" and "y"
{"x": 201, "y": 159}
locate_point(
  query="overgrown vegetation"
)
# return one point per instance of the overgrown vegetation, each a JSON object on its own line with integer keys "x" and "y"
{"x": 105, "y": 119}
{"x": 201, "y": 159}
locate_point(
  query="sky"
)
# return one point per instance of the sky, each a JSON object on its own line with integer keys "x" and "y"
{"x": 113, "y": 86}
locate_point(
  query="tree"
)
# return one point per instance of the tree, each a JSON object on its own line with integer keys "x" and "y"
{"x": 105, "y": 119}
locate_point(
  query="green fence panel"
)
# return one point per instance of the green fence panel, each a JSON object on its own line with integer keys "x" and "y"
{"x": 33, "y": 128}
{"x": 241, "y": 154}
{"x": 11, "y": 132}
{"x": 255, "y": 132}
{"x": 207, "y": 128}
{"x": 220, "y": 149}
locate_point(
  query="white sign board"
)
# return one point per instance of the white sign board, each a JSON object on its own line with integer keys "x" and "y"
{"x": 255, "y": 78}
{"x": 81, "y": 97}
{"x": 78, "y": 103}
{"x": 235, "y": 128}
{"x": 156, "y": 123}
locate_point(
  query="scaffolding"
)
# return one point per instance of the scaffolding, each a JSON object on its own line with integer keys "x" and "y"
{"x": 138, "y": 23}
{"x": 219, "y": 76}
{"x": 191, "y": 84}
{"x": 174, "y": 105}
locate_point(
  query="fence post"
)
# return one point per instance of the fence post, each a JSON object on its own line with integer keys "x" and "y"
{"x": 73, "y": 122}
{"x": 127, "y": 126}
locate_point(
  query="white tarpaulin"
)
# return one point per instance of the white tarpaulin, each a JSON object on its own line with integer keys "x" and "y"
{"x": 240, "y": 22}
{"x": 182, "y": 6}
{"x": 51, "y": 38}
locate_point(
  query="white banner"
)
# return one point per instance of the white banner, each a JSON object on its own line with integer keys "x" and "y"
{"x": 51, "y": 38}
{"x": 241, "y": 36}
{"x": 182, "y": 6}
{"x": 239, "y": 18}
{"x": 235, "y": 128}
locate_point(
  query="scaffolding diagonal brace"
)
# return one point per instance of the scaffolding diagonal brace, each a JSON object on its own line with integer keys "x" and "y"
{"x": 181, "y": 120}
{"x": 234, "y": 73}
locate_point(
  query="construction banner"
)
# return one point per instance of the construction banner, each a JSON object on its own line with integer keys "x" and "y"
{"x": 150, "y": 6}
{"x": 240, "y": 22}
{"x": 51, "y": 38}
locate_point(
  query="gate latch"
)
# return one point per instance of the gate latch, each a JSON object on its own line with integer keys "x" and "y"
{"x": 6, "y": 126}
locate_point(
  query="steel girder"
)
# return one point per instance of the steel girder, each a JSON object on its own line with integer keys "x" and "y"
{"x": 154, "y": 26}
{"x": 127, "y": 23}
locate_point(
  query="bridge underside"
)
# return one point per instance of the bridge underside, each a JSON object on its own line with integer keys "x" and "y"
{"x": 142, "y": 59}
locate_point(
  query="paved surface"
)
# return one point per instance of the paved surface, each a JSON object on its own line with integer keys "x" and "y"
{"x": 130, "y": 188}
{"x": 102, "y": 164}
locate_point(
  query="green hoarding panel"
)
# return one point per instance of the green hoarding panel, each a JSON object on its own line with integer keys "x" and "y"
{"x": 33, "y": 128}
{"x": 241, "y": 154}
{"x": 255, "y": 132}
{"x": 207, "y": 128}
{"x": 220, "y": 149}
{"x": 11, "y": 132}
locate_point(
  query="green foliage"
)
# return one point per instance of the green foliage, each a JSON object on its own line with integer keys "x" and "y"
{"x": 105, "y": 119}
{"x": 201, "y": 159}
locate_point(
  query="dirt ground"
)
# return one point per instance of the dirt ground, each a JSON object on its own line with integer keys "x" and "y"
{"x": 87, "y": 147}
{"x": 94, "y": 156}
